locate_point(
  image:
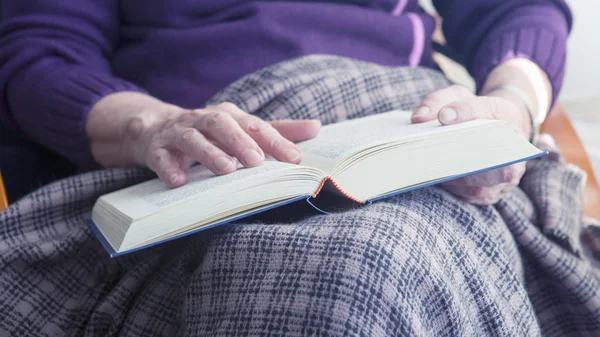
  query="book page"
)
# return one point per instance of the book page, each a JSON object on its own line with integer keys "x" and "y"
{"x": 337, "y": 139}
{"x": 149, "y": 210}
{"x": 433, "y": 159}
{"x": 201, "y": 179}
{"x": 142, "y": 199}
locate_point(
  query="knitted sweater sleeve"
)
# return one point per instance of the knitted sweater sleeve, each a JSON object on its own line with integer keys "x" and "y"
{"x": 488, "y": 32}
{"x": 54, "y": 66}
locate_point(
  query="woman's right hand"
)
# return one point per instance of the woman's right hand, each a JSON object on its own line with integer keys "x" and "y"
{"x": 132, "y": 129}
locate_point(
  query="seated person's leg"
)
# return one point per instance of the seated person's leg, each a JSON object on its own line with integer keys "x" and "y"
{"x": 26, "y": 166}
{"x": 423, "y": 263}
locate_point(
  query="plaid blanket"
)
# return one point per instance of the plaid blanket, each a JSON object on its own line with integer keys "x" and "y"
{"x": 420, "y": 264}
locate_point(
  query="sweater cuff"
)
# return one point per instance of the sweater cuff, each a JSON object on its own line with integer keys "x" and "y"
{"x": 538, "y": 34}
{"x": 58, "y": 118}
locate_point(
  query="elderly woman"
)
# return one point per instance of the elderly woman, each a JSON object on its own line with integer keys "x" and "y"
{"x": 169, "y": 83}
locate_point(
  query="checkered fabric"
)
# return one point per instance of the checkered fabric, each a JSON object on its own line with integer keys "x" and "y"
{"x": 420, "y": 264}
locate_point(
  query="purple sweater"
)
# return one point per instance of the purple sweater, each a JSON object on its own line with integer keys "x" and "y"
{"x": 59, "y": 57}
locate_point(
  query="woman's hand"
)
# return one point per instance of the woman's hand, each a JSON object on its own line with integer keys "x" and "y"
{"x": 169, "y": 139}
{"x": 456, "y": 104}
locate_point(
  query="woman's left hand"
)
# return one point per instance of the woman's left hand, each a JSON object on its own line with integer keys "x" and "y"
{"x": 457, "y": 104}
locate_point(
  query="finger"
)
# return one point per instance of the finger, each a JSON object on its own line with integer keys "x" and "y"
{"x": 164, "y": 163}
{"x": 184, "y": 161}
{"x": 293, "y": 130}
{"x": 508, "y": 174}
{"x": 270, "y": 140}
{"x": 229, "y": 108}
{"x": 432, "y": 103}
{"x": 473, "y": 108}
{"x": 194, "y": 145}
{"x": 488, "y": 195}
{"x": 297, "y": 130}
{"x": 467, "y": 194}
{"x": 507, "y": 190}
{"x": 226, "y": 131}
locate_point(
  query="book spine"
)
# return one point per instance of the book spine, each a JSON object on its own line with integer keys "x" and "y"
{"x": 344, "y": 193}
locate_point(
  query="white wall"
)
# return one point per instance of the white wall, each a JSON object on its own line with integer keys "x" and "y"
{"x": 582, "y": 79}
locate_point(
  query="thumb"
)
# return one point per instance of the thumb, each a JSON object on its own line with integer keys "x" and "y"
{"x": 469, "y": 109}
{"x": 297, "y": 130}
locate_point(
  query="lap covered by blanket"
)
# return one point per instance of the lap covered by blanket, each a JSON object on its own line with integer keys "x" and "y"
{"x": 423, "y": 263}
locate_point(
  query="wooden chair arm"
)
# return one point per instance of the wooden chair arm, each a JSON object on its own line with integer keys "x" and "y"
{"x": 559, "y": 125}
{"x": 3, "y": 197}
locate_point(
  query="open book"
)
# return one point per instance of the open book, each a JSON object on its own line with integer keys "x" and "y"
{"x": 363, "y": 159}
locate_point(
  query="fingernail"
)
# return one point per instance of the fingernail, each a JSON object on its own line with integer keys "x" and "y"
{"x": 422, "y": 111}
{"x": 448, "y": 115}
{"x": 173, "y": 178}
{"x": 223, "y": 164}
{"x": 292, "y": 155}
{"x": 251, "y": 157}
